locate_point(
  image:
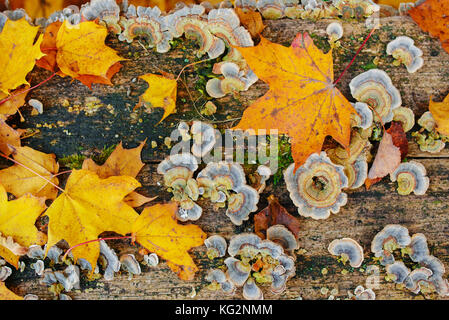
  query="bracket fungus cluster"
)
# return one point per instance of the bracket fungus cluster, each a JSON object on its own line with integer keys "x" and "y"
{"x": 404, "y": 51}
{"x": 253, "y": 262}
{"x": 426, "y": 275}
{"x": 411, "y": 177}
{"x": 428, "y": 138}
{"x": 364, "y": 294}
{"x": 316, "y": 186}
{"x": 348, "y": 250}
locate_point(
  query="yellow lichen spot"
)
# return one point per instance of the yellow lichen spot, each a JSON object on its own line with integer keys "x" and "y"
{"x": 153, "y": 144}
{"x": 324, "y": 271}
{"x": 344, "y": 271}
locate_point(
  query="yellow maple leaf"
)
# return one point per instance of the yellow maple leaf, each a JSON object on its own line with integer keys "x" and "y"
{"x": 6, "y": 294}
{"x": 17, "y": 219}
{"x": 19, "y": 50}
{"x": 158, "y": 231}
{"x": 8, "y": 136}
{"x": 82, "y": 53}
{"x": 38, "y": 8}
{"x": 88, "y": 207}
{"x": 303, "y": 101}
{"x": 19, "y": 180}
{"x": 440, "y": 112}
{"x": 12, "y": 105}
{"x": 161, "y": 93}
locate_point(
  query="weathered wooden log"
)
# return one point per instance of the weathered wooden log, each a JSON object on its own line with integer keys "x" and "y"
{"x": 65, "y": 132}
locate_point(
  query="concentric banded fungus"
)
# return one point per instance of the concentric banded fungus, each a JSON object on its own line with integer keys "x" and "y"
{"x": 35, "y": 252}
{"x": 238, "y": 272}
{"x": 356, "y": 173}
{"x": 335, "y": 31}
{"x": 405, "y": 116}
{"x": 188, "y": 21}
{"x": 436, "y": 281}
{"x": 48, "y": 278}
{"x": 5, "y": 272}
{"x": 359, "y": 148}
{"x": 316, "y": 186}
{"x": 130, "y": 264}
{"x": 348, "y": 250}
{"x": 412, "y": 282}
{"x": 38, "y": 267}
{"x": 364, "y": 116}
{"x": 427, "y": 121}
{"x": 146, "y": 23}
{"x": 234, "y": 80}
{"x": 30, "y": 297}
{"x": 189, "y": 211}
{"x": 71, "y": 14}
{"x": 364, "y": 294}
{"x": 241, "y": 204}
{"x": 251, "y": 291}
{"x": 151, "y": 260}
{"x": 356, "y": 8}
{"x": 390, "y": 238}
{"x": 404, "y": 51}
{"x": 375, "y": 88}
{"x": 239, "y": 242}
{"x": 418, "y": 249}
{"x": 107, "y": 11}
{"x": 281, "y": 235}
{"x": 219, "y": 280}
{"x": 177, "y": 166}
{"x": 216, "y": 246}
{"x": 397, "y": 272}
{"x": 411, "y": 176}
{"x": 54, "y": 253}
{"x": 111, "y": 262}
{"x": 271, "y": 9}
{"x": 226, "y": 175}
{"x": 203, "y": 138}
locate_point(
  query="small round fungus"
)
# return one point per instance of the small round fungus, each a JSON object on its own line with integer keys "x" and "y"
{"x": 216, "y": 246}
{"x": 281, "y": 235}
{"x": 436, "y": 281}
{"x": 38, "y": 267}
{"x": 238, "y": 242}
{"x": 225, "y": 175}
{"x": 130, "y": 264}
{"x": 427, "y": 121}
{"x": 397, "y": 271}
{"x": 315, "y": 187}
{"x": 390, "y": 238}
{"x": 357, "y": 173}
{"x": 5, "y": 272}
{"x": 203, "y": 138}
{"x": 151, "y": 260}
{"x": 404, "y": 51}
{"x": 54, "y": 253}
{"x": 112, "y": 262}
{"x": 69, "y": 278}
{"x": 348, "y": 249}
{"x": 405, "y": 116}
{"x": 241, "y": 204}
{"x": 35, "y": 252}
{"x": 374, "y": 87}
{"x": 411, "y": 177}
{"x": 271, "y": 9}
{"x": 335, "y": 31}
{"x": 251, "y": 291}
{"x": 364, "y": 294}
{"x": 30, "y": 297}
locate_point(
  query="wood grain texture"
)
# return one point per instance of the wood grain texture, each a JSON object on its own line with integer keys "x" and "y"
{"x": 366, "y": 213}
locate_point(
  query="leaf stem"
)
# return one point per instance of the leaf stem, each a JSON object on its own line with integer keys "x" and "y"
{"x": 90, "y": 241}
{"x": 353, "y": 59}
{"x": 29, "y": 169}
{"x": 27, "y": 90}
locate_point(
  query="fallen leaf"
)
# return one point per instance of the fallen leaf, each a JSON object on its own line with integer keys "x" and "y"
{"x": 8, "y": 136}
{"x": 6, "y": 294}
{"x": 18, "y": 54}
{"x": 83, "y": 55}
{"x": 387, "y": 159}
{"x": 157, "y": 230}
{"x": 48, "y": 46}
{"x": 399, "y": 138}
{"x": 440, "y": 112}
{"x": 302, "y": 101}
{"x": 88, "y": 207}
{"x": 251, "y": 20}
{"x": 17, "y": 219}
{"x": 121, "y": 162}
{"x": 135, "y": 199}
{"x": 19, "y": 180}
{"x": 161, "y": 93}
{"x": 274, "y": 214}
{"x": 432, "y": 16}
{"x": 12, "y": 105}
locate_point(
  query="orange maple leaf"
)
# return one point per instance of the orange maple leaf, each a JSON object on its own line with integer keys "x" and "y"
{"x": 8, "y": 136}
{"x": 12, "y": 105}
{"x": 88, "y": 207}
{"x": 158, "y": 231}
{"x": 440, "y": 112}
{"x": 303, "y": 101}
{"x": 81, "y": 53}
{"x": 432, "y": 16}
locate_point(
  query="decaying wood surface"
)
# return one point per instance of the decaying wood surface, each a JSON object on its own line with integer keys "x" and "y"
{"x": 366, "y": 213}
